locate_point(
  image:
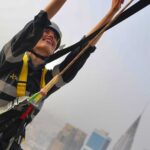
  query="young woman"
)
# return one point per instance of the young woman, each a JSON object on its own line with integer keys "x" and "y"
{"x": 23, "y": 73}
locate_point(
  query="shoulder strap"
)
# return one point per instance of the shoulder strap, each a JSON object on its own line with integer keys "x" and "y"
{"x": 21, "y": 85}
{"x": 43, "y": 78}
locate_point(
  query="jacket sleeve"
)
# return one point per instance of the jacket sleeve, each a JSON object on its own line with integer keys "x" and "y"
{"x": 73, "y": 70}
{"x": 24, "y": 40}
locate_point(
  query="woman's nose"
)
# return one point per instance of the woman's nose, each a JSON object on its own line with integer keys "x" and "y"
{"x": 48, "y": 33}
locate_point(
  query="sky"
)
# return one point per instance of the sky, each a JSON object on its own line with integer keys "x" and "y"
{"x": 112, "y": 88}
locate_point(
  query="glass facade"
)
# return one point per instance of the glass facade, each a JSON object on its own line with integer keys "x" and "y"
{"x": 96, "y": 142}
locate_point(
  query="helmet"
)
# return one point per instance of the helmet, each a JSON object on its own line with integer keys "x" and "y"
{"x": 53, "y": 26}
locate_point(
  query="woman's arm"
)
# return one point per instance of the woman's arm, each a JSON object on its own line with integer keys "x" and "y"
{"x": 53, "y": 7}
{"x": 116, "y": 4}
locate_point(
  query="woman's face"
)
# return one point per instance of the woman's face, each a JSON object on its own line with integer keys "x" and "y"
{"x": 47, "y": 44}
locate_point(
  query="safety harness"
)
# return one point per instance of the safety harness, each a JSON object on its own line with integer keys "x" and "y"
{"x": 22, "y": 83}
{"x": 20, "y": 124}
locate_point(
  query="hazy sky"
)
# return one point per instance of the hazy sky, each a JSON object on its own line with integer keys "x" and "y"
{"x": 112, "y": 88}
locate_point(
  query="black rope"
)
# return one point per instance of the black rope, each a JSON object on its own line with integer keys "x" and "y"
{"x": 130, "y": 11}
{"x": 126, "y": 14}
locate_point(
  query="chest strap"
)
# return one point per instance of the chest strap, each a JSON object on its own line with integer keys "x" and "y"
{"x": 22, "y": 82}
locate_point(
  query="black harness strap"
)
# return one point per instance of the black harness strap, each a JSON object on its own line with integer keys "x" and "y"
{"x": 127, "y": 13}
{"x": 77, "y": 45}
{"x": 130, "y": 11}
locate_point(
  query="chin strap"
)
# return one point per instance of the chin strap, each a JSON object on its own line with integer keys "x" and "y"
{"x": 39, "y": 56}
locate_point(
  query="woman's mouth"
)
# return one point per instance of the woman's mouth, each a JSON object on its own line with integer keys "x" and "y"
{"x": 48, "y": 40}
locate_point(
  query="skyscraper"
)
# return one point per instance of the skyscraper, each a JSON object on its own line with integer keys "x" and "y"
{"x": 69, "y": 138}
{"x": 98, "y": 140}
{"x": 126, "y": 140}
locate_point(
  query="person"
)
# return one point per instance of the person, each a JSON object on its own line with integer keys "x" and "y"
{"x": 23, "y": 73}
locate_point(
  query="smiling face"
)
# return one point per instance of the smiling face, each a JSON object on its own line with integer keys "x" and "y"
{"x": 47, "y": 44}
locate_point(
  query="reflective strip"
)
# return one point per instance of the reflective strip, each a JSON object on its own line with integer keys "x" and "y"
{"x": 7, "y": 88}
{"x": 61, "y": 82}
{"x": 6, "y": 106}
{"x": 10, "y": 143}
{"x": 9, "y": 56}
{"x": 3, "y": 103}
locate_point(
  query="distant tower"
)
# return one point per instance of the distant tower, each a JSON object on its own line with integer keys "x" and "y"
{"x": 126, "y": 140}
{"x": 69, "y": 138}
{"x": 98, "y": 140}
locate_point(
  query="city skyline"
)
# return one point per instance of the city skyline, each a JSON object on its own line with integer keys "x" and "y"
{"x": 52, "y": 134}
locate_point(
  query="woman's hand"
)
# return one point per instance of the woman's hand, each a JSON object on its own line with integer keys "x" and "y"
{"x": 116, "y": 5}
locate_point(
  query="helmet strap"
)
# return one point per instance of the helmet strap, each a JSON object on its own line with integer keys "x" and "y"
{"x": 39, "y": 56}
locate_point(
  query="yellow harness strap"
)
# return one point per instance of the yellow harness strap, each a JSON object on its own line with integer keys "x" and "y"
{"x": 43, "y": 83}
{"x": 21, "y": 85}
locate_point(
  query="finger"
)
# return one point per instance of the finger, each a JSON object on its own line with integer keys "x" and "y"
{"x": 43, "y": 92}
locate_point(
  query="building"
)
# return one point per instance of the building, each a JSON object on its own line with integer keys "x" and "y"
{"x": 69, "y": 138}
{"x": 98, "y": 140}
{"x": 125, "y": 142}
